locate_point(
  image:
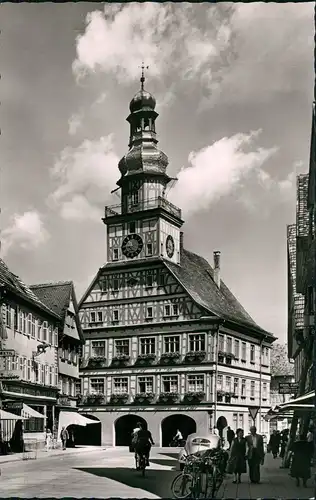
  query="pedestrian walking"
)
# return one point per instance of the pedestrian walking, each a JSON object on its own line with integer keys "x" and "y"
{"x": 301, "y": 465}
{"x": 310, "y": 440}
{"x": 237, "y": 460}
{"x": 64, "y": 436}
{"x": 274, "y": 444}
{"x": 255, "y": 454}
{"x": 48, "y": 440}
{"x": 230, "y": 436}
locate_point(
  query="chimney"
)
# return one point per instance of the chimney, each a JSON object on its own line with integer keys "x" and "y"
{"x": 217, "y": 268}
{"x": 181, "y": 240}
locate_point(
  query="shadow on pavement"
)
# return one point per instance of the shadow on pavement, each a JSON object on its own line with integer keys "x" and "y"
{"x": 171, "y": 455}
{"x": 157, "y": 482}
{"x": 164, "y": 461}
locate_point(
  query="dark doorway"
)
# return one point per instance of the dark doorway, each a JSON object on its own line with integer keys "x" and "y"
{"x": 90, "y": 435}
{"x": 171, "y": 424}
{"x": 124, "y": 427}
{"x": 221, "y": 424}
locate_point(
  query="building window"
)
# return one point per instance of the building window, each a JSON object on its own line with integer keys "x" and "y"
{"x": 39, "y": 327}
{"x": 229, "y": 343}
{"x": 252, "y": 389}
{"x": 243, "y": 388}
{"x": 45, "y": 331}
{"x": 97, "y": 385}
{"x": 196, "y": 383}
{"x": 171, "y": 310}
{"x": 149, "y": 248}
{"x": 228, "y": 384}
{"x": 243, "y": 351}
{"x": 132, "y": 227}
{"x": 236, "y": 386}
{"x": 252, "y": 353}
{"x": 149, "y": 280}
{"x": 149, "y": 312}
{"x": 78, "y": 388}
{"x": 145, "y": 384}
{"x": 56, "y": 377}
{"x": 29, "y": 376}
{"x": 98, "y": 348}
{"x": 50, "y": 375}
{"x": 172, "y": 344}
{"x": 43, "y": 380}
{"x": 147, "y": 345}
{"x": 8, "y": 315}
{"x": 121, "y": 347}
{"x": 235, "y": 421}
{"x": 236, "y": 347}
{"x": 116, "y": 283}
{"x": 264, "y": 391}
{"x": 120, "y": 385}
{"x": 221, "y": 340}
{"x": 170, "y": 383}
{"x": 33, "y": 328}
{"x": 135, "y": 198}
{"x": 50, "y": 335}
{"x": 115, "y": 315}
{"x": 24, "y": 327}
{"x": 219, "y": 382}
{"x": 197, "y": 342}
{"x": 100, "y": 316}
{"x": 241, "y": 420}
{"x": 92, "y": 317}
{"x": 29, "y": 324}
{"x": 115, "y": 253}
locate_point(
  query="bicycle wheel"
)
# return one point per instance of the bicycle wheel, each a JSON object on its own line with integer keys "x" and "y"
{"x": 216, "y": 483}
{"x": 181, "y": 486}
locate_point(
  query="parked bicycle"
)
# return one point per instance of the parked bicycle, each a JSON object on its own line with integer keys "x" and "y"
{"x": 177, "y": 443}
{"x": 202, "y": 476}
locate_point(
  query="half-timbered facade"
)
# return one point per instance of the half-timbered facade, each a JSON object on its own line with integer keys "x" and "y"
{"x": 28, "y": 358}
{"x": 167, "y": 343}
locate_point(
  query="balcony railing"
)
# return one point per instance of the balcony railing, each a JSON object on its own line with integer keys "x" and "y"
{"x": 152, "y": 203}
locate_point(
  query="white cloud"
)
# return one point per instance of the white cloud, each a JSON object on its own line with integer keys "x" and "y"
{"x": 85, "y": 177}
{"x": 216, "y": 171}
{"x": 74, "y": 123}
{"x": 26, "y": 231}
{"x": 167, "y": 37}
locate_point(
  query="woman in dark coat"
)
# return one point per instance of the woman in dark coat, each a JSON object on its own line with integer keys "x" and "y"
{"x": 274, "y": 444}
{"x": 237, "y": 459}
{"x": 300, "y": 466}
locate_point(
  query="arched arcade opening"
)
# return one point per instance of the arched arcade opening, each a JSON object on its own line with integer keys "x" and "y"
{"x": 90, "y": 435}
{"x": 123, "y": 428}
{"x": 172, "y": 423}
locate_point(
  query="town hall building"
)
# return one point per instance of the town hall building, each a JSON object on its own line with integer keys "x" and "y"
{"x": 166, "y": 342}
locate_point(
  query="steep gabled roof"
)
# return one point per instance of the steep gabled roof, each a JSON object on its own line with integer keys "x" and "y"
{"x": 16, "y": 286}
{"x": 57, "y": 296}
{"x": 196, "y": 276}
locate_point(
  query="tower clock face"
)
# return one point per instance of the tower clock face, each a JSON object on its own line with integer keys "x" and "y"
{"x": 170, "y": 246}
{"x": 132, "y": 245}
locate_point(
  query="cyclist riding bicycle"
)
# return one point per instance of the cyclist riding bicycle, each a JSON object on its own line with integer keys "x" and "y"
{"x": 142, "y": 441}
{"x": 178, "y": 437}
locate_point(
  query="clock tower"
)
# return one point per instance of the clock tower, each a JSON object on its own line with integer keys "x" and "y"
{"x": 145, "y": 225}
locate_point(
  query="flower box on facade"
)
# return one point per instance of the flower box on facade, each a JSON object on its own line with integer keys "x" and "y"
{"x": 168, "y": 397}
{"x": 120, "y": 359}
{"x": 194, "y": 397}
{"x": 169, "y": 357}
{"x": 118, "y": 398}
{"x": 93, "y": 399}
{"x": 230, "y": 355}
{"x": 145, "y": 359}
{"x": 195, "y": 355}
{"x": 97, "y": 362}
{"x": 144, "y": 397}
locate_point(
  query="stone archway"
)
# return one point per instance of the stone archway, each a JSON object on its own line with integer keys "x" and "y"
{"x": 123, "y": 428}
{"x": 90, "y": 435}
{"x": 172, "y": 423}
{"x": 221, "y": 424}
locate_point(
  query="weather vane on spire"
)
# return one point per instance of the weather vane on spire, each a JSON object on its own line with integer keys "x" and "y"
{"x": 142, "y": 80}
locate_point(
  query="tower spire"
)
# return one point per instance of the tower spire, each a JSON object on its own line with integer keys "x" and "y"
{"x": 142, "y": 80}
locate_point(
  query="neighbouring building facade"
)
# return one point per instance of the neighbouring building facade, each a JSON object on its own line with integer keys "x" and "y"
{"x": 166, "y": 342}
{"x": 60, "y": 297}
{"x": 28, "y": 357}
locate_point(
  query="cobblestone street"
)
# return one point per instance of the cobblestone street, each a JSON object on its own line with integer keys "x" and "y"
{"x": 96, "y": 472}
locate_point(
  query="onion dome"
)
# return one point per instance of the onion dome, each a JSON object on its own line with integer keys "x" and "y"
{"x": 144, "y": 157}
{"x": 141, "y": 100}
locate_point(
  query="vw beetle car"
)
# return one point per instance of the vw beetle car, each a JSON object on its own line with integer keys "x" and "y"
{"x": 198, "y": 442}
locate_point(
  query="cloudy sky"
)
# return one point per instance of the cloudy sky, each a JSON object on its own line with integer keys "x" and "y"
{"x": 234, "y": 87}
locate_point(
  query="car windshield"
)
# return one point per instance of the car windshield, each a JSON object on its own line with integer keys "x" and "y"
{"x": 200, "y": 442}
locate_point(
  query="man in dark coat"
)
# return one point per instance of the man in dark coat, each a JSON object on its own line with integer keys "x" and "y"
{"x": 230, "y": 436}
{"x": 274, "y": 444}
{"x": 255, "y": 454}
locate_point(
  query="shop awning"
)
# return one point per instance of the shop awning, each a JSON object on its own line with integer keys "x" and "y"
{"x": 5, "y": 415}
{"x": 274, "y": 414}
{"x": 28, "y": 412}
{"x": 302, "y": 403}
{"x": 67, "y": 418}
